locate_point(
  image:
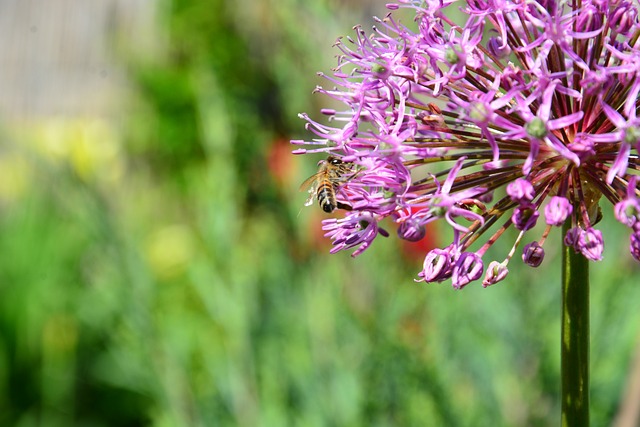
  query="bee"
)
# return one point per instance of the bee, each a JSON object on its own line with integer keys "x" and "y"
{"x": 323, "y": 185}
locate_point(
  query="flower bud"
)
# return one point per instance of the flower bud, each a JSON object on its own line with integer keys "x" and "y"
{"x": 549, "y": 5}
{"x": 468, "y": 268}
{"x": 557, "y": 210}
{"x": 495, "y": 273}
{"x": 478, "y": 5}
{"x": 533, "y": 254}
{"x": 582, "y": 146}
{"x": 572, "y": 237}
{"x": 627, "y": 211}
{"x": 411, "y": 230}
{"x": 437, "y": 266}
{"x": 521, "y": 190}
{"x": 591, "y": 244}
{"x": 536, "y": 128}
{"x": 499, "y": 49}
{"x": 381, "y": 69}
{"x": 623, "y": 18}
{"x": 451, "y": 56}
{"x": 525, "y": 217}
{"x": 589, "y": 19}
{"x": 634, "y": 245}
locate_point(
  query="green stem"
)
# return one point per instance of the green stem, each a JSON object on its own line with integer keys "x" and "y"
{"x": 575, "y": 338}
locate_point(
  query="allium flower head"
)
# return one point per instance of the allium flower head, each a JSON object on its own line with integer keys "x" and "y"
{"x": 518, "y": 109}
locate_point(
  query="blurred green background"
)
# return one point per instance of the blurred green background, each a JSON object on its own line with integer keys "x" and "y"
{"x": 157, "y": 267}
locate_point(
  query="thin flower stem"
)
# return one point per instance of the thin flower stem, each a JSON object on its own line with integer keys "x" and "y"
{"x": 575, "y": 337}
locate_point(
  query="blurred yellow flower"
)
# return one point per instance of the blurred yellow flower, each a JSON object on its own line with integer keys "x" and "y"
{"x": 90, "y": 145}
{"x": 169, "y": 250}
{"x": 15, "y": 177}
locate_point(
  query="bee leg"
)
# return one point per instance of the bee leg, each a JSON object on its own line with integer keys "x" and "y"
{"x": 344, "y": 206}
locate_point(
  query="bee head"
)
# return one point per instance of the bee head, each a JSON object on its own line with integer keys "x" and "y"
{"x": 334, "y": 160}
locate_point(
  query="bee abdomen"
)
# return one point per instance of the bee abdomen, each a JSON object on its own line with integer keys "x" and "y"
{"x": 326, "y": 197}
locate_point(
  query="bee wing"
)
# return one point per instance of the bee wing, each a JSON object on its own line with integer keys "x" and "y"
{"x": 311, "y": 185}
{"x": 309, "y": 200}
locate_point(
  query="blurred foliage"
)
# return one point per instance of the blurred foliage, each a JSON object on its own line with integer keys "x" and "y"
{"x": 159, "y": 270}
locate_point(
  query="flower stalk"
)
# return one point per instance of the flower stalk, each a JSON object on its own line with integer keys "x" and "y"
{"x": 575, "y": 338}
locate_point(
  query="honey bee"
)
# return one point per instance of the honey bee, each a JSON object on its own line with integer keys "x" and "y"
{"x": 323, "y": 185}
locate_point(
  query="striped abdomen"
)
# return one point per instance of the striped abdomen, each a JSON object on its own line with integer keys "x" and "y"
{"x": 327, "y": 196}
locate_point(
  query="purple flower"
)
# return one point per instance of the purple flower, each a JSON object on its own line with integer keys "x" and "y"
{"x": 498, "y": 48}
{"x": 525, "y": 216}
{"x": 438, "y": 265}
{"x": 557, "y": 210}
{"x": 467, "y": 268}
{"x": 521, "y": 191}
{"x": 519, "y": 106}
{"x": 495, "y": 273}
{"x": 572, "y": 238}
{"x": 356, "y": 229}
{"x": 533, "y": 254}
{"x": 624, "y": 17}
{"x": 634, "y": 245}
{"x": 591, "y": 244}
{"x": 627, "y": 210}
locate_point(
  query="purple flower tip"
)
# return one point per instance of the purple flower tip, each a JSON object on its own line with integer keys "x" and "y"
{"x": 437, "y": 266}
{"x": 468, "y": 268}
{"x": 498, "y": 48}
{"x": 627, "y": 212}
{"x": 634, "y": 245}
{"x": 525, "y": 217}
{"x": 521, "y": 190}
{"x": 533, "y": 254}
{"x": 496, "y": 271}
{"x": 589, "y": 19}
{"x": 624, "y": 17}
{"x": 356, "y": 230}
{"x": 412, "y": 230}
{"x": 572, "y": 238}
{"x": 591, "y": 244}
{"x": 557, "y": 210}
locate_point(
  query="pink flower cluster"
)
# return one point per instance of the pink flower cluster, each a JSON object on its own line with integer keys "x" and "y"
{"x": 524, "y": 112}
